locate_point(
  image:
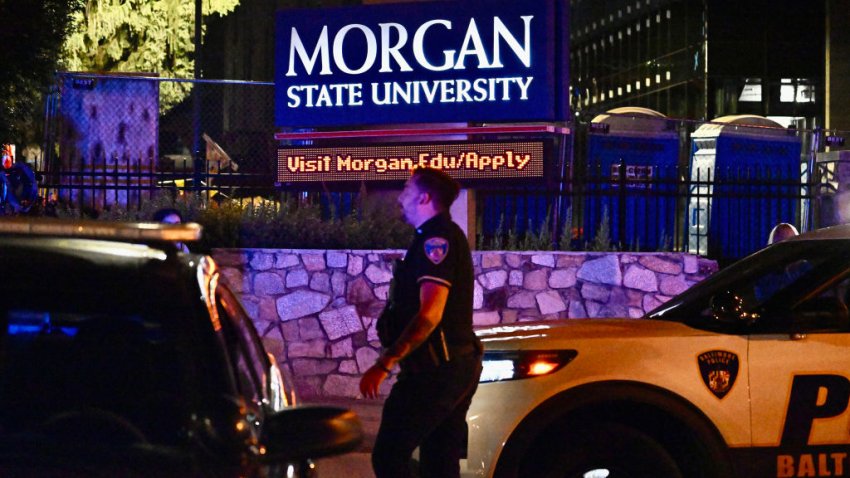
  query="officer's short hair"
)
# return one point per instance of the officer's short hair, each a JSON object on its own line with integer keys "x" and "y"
{"x": 442, "y": 188}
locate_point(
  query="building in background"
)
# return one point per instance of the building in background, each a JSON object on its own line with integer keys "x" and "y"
{"x": 702, "y": 59}
{"x": 696, "y": 59}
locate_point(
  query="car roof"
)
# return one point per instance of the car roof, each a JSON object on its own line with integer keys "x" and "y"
{"x": 834, "y": 232}
{"x": 135, "y": 264}
{"x": 129, "y": 242}
{"x": 139, "y": 232}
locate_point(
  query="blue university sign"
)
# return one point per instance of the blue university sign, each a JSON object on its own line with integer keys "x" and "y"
{"x": 462, "y": 61}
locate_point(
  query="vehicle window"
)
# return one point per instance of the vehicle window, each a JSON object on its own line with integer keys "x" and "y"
{"x": 824, "y": 311}
{"x": 780, "y": 282}
{"x": 248, "y": 357}
{"x": 769, "y": 283}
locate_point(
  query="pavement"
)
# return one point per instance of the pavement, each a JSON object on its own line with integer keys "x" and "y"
{"x": 358, "y": 463}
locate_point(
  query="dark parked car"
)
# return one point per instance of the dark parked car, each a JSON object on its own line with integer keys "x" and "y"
{"x": 120, "y": 356}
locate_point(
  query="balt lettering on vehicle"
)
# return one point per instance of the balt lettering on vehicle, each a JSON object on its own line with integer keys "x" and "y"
{"x": 520, "y": 159}
{"x": 811, "y": 464}
{"x": 382, "y": 64}
{"x": 813, "y": 397}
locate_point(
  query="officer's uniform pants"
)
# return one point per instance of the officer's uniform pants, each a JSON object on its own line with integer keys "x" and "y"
{"x": 427, "y": 409}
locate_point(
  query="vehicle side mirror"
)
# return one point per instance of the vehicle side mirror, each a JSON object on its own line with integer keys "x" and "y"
{"x": 305, "y": 432}
{"x": 729, "y": 308}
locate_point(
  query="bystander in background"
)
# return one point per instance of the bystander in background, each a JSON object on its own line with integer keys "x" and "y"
{"x": 780, "y": 232}
{"x": 171, "y": 216}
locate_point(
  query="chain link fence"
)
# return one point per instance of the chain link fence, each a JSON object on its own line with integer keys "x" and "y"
{"x": 109, "y": 141}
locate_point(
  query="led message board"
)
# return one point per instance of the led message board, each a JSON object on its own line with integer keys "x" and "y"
{"x": 463, "y": 61}
{"x": 394, "y": 162}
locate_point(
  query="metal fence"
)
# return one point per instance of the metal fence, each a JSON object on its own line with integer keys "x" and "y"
{"x": 641, "y": 182}
{"x": 721, "y": 216}
{"x": 112, "y": 125}
{"x": 633, "y": 180}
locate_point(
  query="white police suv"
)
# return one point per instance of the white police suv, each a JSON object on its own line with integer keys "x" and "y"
{"x": 746, "y": 374}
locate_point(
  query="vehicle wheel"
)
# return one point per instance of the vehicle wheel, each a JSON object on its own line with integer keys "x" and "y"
{"x": 93, "y": 426}
{"x": 609, "y": 451}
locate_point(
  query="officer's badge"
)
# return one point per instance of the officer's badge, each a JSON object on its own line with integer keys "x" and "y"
{"x": 436, "y": 248}
{"x": 719, "y": 369}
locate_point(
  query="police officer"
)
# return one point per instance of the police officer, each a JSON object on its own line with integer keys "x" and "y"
{"x": 426, "y": 329}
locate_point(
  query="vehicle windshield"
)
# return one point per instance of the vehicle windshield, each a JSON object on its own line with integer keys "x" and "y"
{"x": 773, "y": 279}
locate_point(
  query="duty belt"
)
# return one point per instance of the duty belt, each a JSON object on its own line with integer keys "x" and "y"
{"x": 439, "y": 352}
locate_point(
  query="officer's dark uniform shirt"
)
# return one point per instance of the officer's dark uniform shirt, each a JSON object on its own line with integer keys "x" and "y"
{"x": 439, "y": 254}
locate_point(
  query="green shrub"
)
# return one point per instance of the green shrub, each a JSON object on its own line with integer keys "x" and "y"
{"x": 512, "y": 243}
{"x": 497, "y": 236}
{"x": 282, "y": 223}
{"x": 510, "y": 240}
{"x": 529, "y": 239}
{"x": 565, "y": 243}
{"x": 665, "y": 242}
{"x": 221, "y": 225}
{"x": 602, "y": 240}
{"x": 291, "y": 223}
{"x": 544, "y": 234}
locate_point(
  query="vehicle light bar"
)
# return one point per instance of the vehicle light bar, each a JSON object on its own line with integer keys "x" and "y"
{"x": 140, "y": 231}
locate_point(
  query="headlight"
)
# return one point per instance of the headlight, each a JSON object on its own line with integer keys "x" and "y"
{"x": 516, "y": 364}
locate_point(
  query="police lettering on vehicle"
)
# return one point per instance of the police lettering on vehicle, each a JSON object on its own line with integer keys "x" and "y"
{"x": 719, "y": 369}
{"x": 813, "y": 397}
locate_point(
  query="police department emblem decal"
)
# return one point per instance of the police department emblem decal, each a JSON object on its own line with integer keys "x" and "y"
{"x": 719, "y": 369}
{"x": 436, "y": 248}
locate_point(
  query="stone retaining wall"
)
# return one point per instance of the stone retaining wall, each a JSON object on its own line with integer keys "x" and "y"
{"x": 316, "y": 310}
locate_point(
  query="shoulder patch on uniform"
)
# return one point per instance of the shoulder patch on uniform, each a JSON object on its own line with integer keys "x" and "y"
{"x": 436, "y": 249}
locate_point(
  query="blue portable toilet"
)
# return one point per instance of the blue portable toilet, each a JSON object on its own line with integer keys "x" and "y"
{"x": 642, "y": 206}
{"x": 746, "y": 177}
{"x": 832, "y": 192}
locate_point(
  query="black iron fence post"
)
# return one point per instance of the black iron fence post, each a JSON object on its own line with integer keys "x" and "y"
{"x": 621, "y": 204}
{"x": 562, "y": 202}
{"x": 808, "y": 222}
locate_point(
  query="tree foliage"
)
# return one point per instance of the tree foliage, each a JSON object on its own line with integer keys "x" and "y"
{"x": 140, "y": 36}
{"x": 31, "y": 39}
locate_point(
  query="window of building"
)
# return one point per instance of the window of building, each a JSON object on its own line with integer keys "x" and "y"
{"x": 797, "y": 90}
{"x": 751, "y": 92}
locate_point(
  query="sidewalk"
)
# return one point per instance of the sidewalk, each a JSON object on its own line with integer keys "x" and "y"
{"x": 357, "y": 464}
